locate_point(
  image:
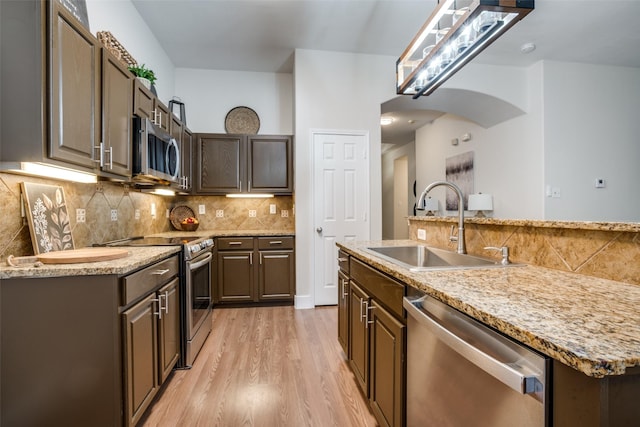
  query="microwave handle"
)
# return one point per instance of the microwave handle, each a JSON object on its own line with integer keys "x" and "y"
{"x": 173, "y": 143}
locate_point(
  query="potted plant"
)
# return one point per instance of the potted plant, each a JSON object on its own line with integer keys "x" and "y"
{"x": 145, "y": 75}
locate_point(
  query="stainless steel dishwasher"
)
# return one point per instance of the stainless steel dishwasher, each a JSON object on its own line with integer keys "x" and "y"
{"x": 463, "y": 373}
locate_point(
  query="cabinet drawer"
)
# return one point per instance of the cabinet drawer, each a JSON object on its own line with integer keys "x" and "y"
{"x": 343, "y": 261}
{"x": 383, "y": 288}
{"x": 235, "y": 243}
{"x": 278, "y": 242}
{"x": 146, "y": 280}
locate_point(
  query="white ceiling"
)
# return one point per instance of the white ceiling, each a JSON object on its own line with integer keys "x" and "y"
{"x": 261, "y": 35}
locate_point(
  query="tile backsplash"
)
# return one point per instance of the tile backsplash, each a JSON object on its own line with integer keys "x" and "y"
{"x": 604, "y": 252}
{"x": 133, "y": 213}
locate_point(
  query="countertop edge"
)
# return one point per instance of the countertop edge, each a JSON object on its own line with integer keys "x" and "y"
{"x": 593, "y": 367}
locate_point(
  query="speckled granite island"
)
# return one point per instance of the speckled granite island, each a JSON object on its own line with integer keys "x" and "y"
{"x": 589, "y": 324}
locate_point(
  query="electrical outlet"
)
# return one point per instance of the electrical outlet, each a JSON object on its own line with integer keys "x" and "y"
{"x": 114, "y": 214}
{"x": 219, "y": 213}
{"x": 252, "y": 213}
{"x": 272, "y": 208}
{"x": 201, "y": 210}
{"x": 136, "y": 214}
{"x": 81, "y": 215}
{"x": 422, "y": 234}
{"x": 284, "y": 213}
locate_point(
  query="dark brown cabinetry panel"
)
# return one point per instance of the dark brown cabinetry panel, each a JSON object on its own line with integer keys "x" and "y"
{"x": 359, "y": 338}
{"x": 270, "y": 164}
{"x": 343, "y": 311}
{"x": 117, "y": 93}
{"x": 235, "y": 276}
{"x": 220, "y": 164}
{"x": 387, "y": 385}
{"x": 169, "y": 329}
{"x": 376, "y": 338}
{"x": 74, "y": 83}
{"x": 147, "y": 105}
{"x": 141, "y": 362}
{"x": 259, "y": 269}
{"x": 187, "y": 159}
{"x": 227, "y": 163}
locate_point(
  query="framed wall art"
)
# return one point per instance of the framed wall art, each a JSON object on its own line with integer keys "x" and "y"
{"x": 459, "y": 170}
{"x": 46, "y": 211}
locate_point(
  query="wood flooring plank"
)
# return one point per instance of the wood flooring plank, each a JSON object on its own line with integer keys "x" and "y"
{"x": 265, "y": 366}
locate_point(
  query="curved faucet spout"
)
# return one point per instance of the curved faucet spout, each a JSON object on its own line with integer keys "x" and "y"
{"x": 462, "y": 247}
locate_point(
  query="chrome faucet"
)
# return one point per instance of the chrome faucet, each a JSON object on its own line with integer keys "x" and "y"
{"x": 462, "y": 247}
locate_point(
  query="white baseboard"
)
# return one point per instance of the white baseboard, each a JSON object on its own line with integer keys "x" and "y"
{"x": 303, "y": 302}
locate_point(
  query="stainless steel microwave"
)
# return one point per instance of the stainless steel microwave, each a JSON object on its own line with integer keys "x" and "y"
{"x": 156, "y": 155}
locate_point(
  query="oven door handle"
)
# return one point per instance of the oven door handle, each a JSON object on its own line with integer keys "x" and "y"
{"x": 207, "y": 258}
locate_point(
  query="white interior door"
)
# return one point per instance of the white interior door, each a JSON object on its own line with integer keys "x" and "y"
{"x": 341, "y": 203}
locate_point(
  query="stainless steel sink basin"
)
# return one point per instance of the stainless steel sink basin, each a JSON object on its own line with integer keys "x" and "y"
{"x": 423, "y": 258}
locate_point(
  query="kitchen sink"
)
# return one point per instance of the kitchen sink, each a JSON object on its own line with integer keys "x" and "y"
{"x": 423, "y": 258}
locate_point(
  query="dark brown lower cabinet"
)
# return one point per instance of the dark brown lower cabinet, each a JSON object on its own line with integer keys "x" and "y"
{"x": 251, "y": 270}
{"x": 386, "y": 359}
{"x": 377, "y": 335}
{"x": 343, "y": 311}
{"x": 151, "y": 347}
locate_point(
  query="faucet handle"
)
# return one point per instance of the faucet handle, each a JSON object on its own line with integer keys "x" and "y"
{"x": 505, "y": 253}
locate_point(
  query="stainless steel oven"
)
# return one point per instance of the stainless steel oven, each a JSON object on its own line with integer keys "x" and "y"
{"x": 198, "y": 301}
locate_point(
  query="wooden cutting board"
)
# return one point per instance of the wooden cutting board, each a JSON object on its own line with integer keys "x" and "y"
{"x": 82, "y": 255}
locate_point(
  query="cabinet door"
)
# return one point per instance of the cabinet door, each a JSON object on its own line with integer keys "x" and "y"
{"x": 270, "y": 164}
{"x": 117, "y": 89}
{"x": 142, "y": 101}
{"x": 359, "y": 338}
{"x": 276, "y": 273}
{"x": 386, "y": 357}
{"x": 169, "y": 328}
{"x": 163, "y": 118}
{"x": 75, "y": 90}
{"x": 235, "y": 276}
{"x": 186, "y": 153}
{"x": 343, "y": 311}
{"x": 141, "y": 357}
{"x": 220, "y": 165}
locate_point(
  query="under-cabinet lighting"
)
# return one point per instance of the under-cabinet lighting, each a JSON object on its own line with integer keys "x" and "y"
{"x": 43, "y": 170}
{"x": 159, "y": 191}
{"x": 454, "y": 34}
{"x": 249, "y": 196}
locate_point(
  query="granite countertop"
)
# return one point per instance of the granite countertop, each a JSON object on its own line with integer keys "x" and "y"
{"x": 138, "y": 257}
{"x": 587, "y": 323}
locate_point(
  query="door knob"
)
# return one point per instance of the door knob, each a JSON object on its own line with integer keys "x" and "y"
{"x": 319, "y": 230}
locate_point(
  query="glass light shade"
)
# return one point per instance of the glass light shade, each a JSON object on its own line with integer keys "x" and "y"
{"x": 454, "y": 34}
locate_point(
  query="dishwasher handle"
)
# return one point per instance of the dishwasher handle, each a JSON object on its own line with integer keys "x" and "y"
{"x": 508, "y": 375}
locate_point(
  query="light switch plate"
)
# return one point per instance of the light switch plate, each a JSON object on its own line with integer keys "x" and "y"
{"x": 422, "y": 234}
{"x": 272, "y": 208}
{"x": 153, "y": 210}
{"x": 201, "y": 209}
{"x": 136, "y": 214}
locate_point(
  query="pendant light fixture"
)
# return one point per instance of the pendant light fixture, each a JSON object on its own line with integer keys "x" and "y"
{"x": 455, "y": 33}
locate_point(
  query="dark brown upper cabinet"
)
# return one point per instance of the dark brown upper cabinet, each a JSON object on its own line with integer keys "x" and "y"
{"x": 231, "y": 163}
{"x": 66, "y": 100}
{"x": 147, "y": 105}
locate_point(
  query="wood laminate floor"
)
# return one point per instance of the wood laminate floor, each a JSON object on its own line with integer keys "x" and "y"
{"x": 265, "y": 366}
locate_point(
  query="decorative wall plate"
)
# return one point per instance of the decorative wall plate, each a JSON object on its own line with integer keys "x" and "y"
{"x": 242, "y": 120}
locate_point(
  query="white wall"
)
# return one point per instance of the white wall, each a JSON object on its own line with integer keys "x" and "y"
{"x": 338, "y": 91}
{"x": 388, "y": 160}
{"x": 122, "y": 19}
{"x": 208, "y": 96}
{"x": 508, "y": 157}
{"x": 592, "y": 123}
